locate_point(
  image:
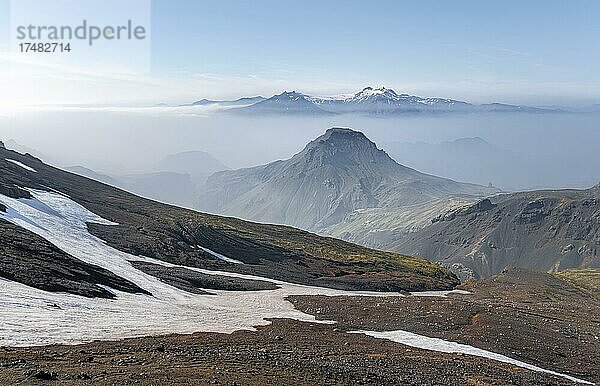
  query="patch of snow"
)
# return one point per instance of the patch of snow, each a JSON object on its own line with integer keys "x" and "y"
{"x": 330, "y": 98}
{"x": 219, "y": 256}
{"x": 29, "y": 168}
{"x": 442, "y": 294}
{"x": 28, "y": 317}
{"x": 370, "y": 93}
{"x": 440, "y": 345}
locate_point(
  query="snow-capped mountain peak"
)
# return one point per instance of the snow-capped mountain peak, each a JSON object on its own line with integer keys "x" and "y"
{"x": 370, "y": 94}
{"x": 288, "y": 102}
{"x": 377, "y": 91}
{"x": 291, "y": 95}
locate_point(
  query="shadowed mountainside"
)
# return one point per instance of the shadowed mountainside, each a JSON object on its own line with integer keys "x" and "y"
{"x": 541, "y": 230}
{"x": 172, "y": 234}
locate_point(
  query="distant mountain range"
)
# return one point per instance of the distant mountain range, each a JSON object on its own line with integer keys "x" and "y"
{"x": 285, "y": 103}
{"x": 368, "y": 101}
{"x": 237, "y": 102}
{"x": 175, "y": 179}
{"x": 198, "y": 164}
{"x": 341, "y": 184}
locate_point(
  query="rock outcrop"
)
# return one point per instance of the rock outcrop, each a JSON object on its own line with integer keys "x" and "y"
{"x": 541, "y": 230}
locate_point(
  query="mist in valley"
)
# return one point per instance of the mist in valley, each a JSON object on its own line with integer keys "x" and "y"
{"x": 512, "y": 151}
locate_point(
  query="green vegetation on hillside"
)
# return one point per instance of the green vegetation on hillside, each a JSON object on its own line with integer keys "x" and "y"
{"x": 588, "y": 280}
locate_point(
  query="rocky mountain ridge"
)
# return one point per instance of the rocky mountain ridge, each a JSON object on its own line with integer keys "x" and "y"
{"x": 369, "y": 101}
{"x": 542, "y": 230}
{"x": 329, "y": 185}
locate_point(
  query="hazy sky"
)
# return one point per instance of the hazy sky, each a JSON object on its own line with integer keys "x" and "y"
{"x": 536, "y": 52}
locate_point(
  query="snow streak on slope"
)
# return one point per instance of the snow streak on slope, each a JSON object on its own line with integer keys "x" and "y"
{"x": 436, "y": 344}
{"x": 35, "y": 317}
{"x": 29, "y": 168}
{"x": 219, "y": 256}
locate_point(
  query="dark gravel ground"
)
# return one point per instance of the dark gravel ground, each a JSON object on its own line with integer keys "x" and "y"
{"x": 535, "y": 318}
{"x": 286, "y": 352}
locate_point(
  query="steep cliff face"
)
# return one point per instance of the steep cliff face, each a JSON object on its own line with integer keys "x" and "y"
{"x": 542, "y": 230}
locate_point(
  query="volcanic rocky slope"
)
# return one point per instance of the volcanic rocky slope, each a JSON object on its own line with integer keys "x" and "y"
{"x": 541, "y": 230}
{"x": 27, "y": 258}
{"x": 337, "y": 184}
{"x": 172, "y": 234}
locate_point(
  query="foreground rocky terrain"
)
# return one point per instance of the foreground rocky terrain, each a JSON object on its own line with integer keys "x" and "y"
{"x": 537, "y": 318}
{"x": 534, "y": 317}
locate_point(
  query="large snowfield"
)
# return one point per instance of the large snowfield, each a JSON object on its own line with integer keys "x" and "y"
{"x": 34, "y": 317}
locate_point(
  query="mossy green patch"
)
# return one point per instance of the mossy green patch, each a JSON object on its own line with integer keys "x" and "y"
{"x": 588, "y": 280}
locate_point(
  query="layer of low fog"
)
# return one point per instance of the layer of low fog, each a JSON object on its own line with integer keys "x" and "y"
{"x": 516, "y": 151}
